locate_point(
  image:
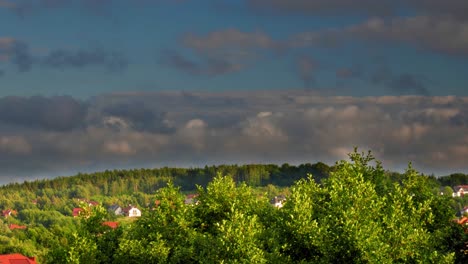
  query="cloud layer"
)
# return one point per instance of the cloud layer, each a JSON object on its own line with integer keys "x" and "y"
{"x": 49, "y": 136}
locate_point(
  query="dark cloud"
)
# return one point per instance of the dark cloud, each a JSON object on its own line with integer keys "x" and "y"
{"x": 241, "y": 127}
{"x": 420, "y": 31}
{"x": 454, "y": 8}
{"x": 113, "y": 61}
{"x": 460, "y": 119}
{"x": 401, "y": 84}
{"x": 138, "y": 117}
{"x": 61, "y": 113}
{"x": 408, "y": 84}
{"x": 221, "y": 52}
{"x": 24, "y": 8}
{"x": 207, "y": 66}
{"x": 18, "y": 53}
{"x": 27, "y": 7}
{"x": 327, "y": 7}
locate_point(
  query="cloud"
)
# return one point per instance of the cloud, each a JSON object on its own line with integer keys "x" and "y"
{"x": 233, "y": 38}
{"x": 231, "y": 50}
{"x": 60, "y": 135}
{"x": 113, "y": 61}
{"x": 421, "y": 31}
{"x": 24, "y": 8}
{"x": 326, "y": 7}
{"x": 205, "y": 66}
{"x": 220, "y": 52}
{"x": 18, "y": 53}
{"x": 454, "y": 8}
{"x": 401, "y": 84}
{"x": 137, "y": 116}
{"x": 61, "y": 113}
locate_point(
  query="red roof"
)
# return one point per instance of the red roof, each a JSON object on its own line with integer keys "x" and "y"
{"x": 463, "y": 221}
{"x": 8, "y": 212}
{"x": 458, "y": 187}
{"x": 112, "y": 225}
{"x": 16, "y": 259}
{"x": 127, "y": 209}
{"x": 93, "y": 203}
{"x": 13, "y": 227}
{"x": 76, "y": 211}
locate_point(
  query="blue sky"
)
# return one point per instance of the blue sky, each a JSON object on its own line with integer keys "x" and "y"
{"x": 147, "y": 35}
{"x": 78, "y": 56}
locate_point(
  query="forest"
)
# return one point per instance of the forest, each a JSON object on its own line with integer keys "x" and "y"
{"x": 354, "y": 211}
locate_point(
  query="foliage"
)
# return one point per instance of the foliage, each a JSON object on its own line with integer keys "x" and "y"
{"x": 352, "y": 212}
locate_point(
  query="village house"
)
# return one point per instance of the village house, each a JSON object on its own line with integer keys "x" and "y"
{"x": 13, "y": 227}
{"x": 115, "y": 209}
{"x": 76, "y": 211}
{"x": 157, "y": 203}
{"x": 9, "y": 212}
{"x": 191, "y": 199}
{"x": 460, "y": 190}
{"x": 131, "y": 211}
{"x": 278, "y": 201}
{"x": 17, "y": 258}
{"x": 112, "y": 225}
{"x": 93, "y": 203}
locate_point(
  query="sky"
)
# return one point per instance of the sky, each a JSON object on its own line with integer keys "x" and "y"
{"x": 88, "y": 85}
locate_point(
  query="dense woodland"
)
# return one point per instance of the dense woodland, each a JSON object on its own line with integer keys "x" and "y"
{"x": 351, "y": 212}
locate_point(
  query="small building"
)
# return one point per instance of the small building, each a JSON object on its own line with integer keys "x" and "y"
{"x": 93, "y": 203}
{"x": 115, "y": 209}
{"x": 132, "y": 211}
{"x": 191, "y": 199}
{"x": 463, "y": 221}
{"x": 112, "y": 225}
{"x": 77, "y": 211}
{"x": 13, "y": 227}
{"x": 157, "y": 203}
{"x": 460, "y": 190}
{"x": 9, "y": 212}
{"x": 17, "y": 259}
{"x": 278, "y": 201}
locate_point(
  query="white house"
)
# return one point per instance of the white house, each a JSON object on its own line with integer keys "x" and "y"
{"x": 460, "y": 190}
{"x": 132, "y": 211}
{"x": 278, "y": 201}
